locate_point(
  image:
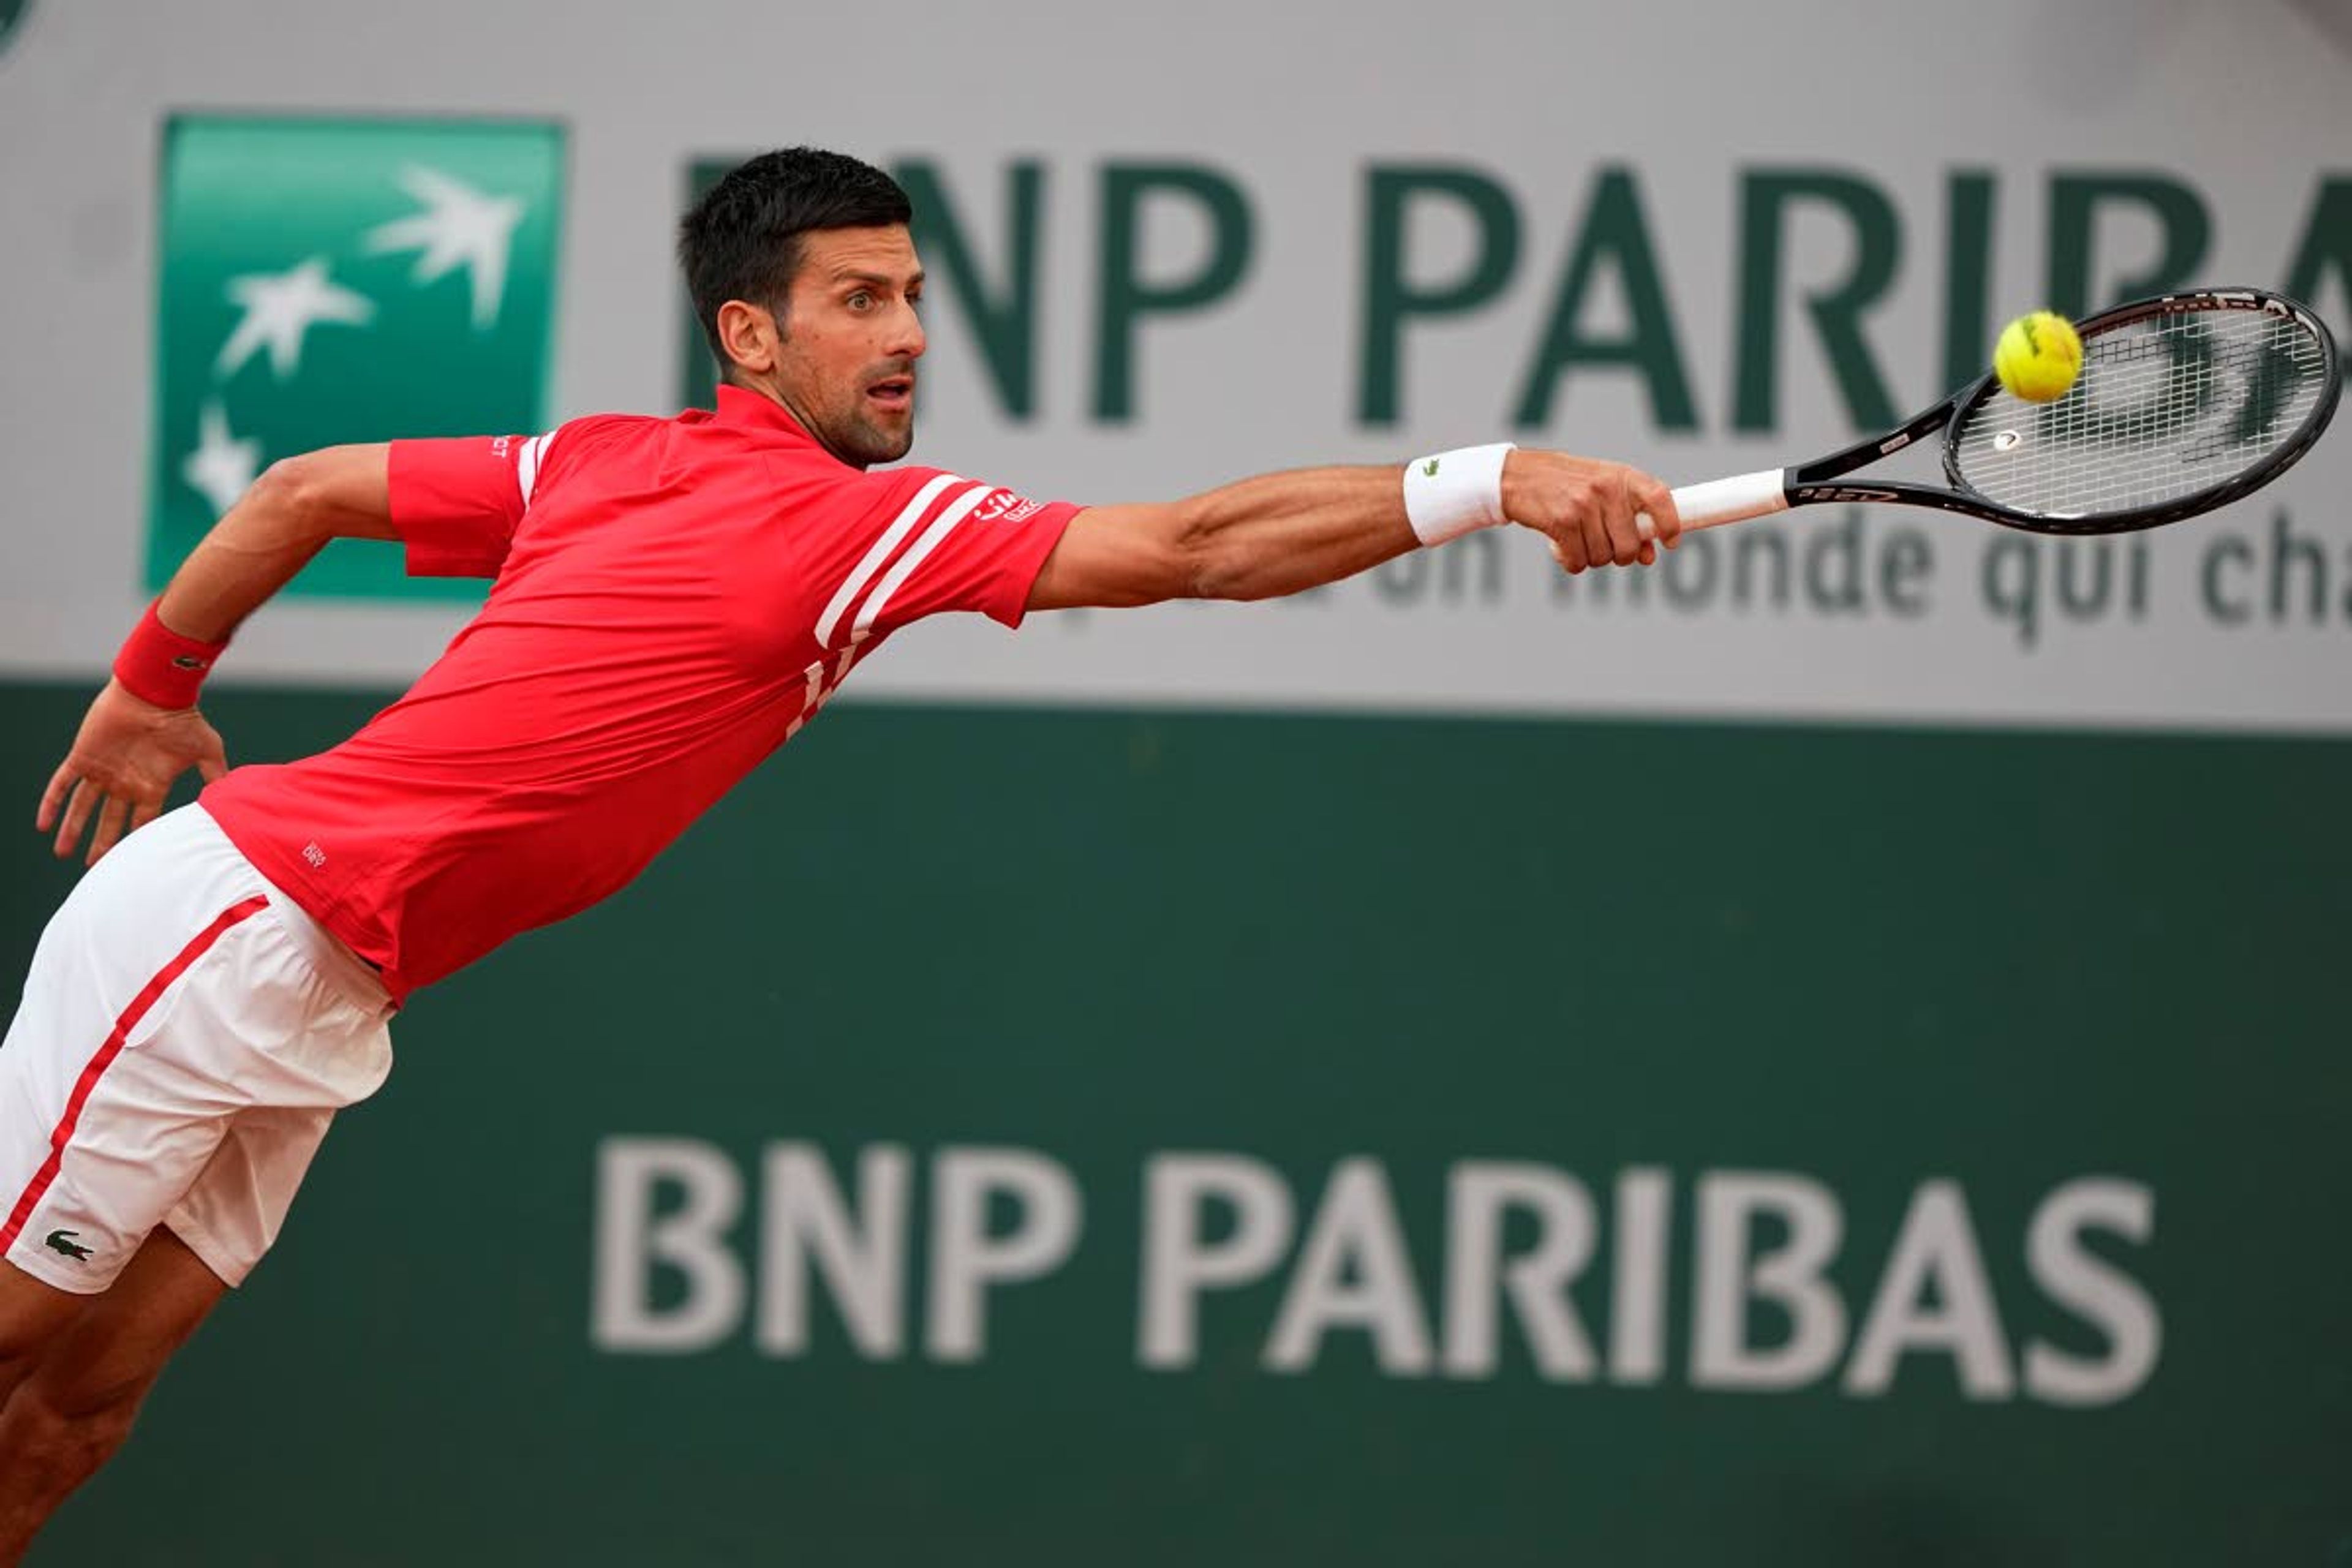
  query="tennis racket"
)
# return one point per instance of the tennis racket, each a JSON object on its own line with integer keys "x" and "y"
{"x": 2185, "y": 402}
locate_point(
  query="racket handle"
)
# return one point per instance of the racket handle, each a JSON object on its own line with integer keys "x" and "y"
{"x": 1734, "y": 500}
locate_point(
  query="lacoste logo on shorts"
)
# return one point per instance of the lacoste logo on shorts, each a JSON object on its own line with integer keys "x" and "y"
{"x": 63, "y": 1241}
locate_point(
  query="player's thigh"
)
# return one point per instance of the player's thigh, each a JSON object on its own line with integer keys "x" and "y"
{"x": 124, "y": 1073}
{"x": 103, "y": 1121}
{"x": 111, "y": 1352}
{"x": 232, "y": 1213}
{"x": 95, "y": 1146}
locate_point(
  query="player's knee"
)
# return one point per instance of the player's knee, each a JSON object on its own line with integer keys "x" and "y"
{"x": 86, "y": 1395}
{"x": 20, "y": 1356}
{"x": 14, "y": 1370}
{"x": 73, "y": 1427}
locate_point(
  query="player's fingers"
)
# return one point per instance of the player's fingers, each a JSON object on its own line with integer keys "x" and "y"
{"x": 1567, "y": 549}
{"x": 85, "y": 795}
{"x": 1595, "y": 525}
{"x": 53, "y": 799}
{"x": 1624, "y": 544}
{"x": 213, "y": 762}
{"x": 110, "y": 828}
{"x": 1624, "y": 535}
{"x": 1657, "y": 503}
{"x": 145, "y": 812}
{"x": 1649, "y": 553}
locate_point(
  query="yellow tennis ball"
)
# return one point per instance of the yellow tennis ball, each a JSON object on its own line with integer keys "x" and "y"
{"x": 2038, "y": 356}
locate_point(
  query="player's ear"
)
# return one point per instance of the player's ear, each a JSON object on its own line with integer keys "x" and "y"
{"x": 747, "y": 333}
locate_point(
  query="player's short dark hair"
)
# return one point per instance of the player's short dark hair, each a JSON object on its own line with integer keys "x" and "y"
{"x": 742, "y": 239}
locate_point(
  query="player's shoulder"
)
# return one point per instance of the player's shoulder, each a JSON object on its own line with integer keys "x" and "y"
{"x": 916, "y": 493}
{"x": 588, "y": 429}
{"x": 822, "y": 480}
{"x": 946, "y": 484}
{"x": 946, "y": 493}
{"x": 588, "y": 435}
{"x": 908, "y": 481}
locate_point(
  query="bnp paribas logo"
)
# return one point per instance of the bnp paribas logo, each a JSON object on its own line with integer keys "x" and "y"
{"x": 333, "y": 281}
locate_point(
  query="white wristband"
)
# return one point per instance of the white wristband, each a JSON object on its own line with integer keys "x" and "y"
{"x": 1449, "y": 494}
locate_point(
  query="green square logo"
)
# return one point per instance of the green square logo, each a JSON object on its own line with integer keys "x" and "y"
{"x": 333, "y": 281}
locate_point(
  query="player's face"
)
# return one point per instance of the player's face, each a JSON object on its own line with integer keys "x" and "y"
{"x": 845, "y": 363}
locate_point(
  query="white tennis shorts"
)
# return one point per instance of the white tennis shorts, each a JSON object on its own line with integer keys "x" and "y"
{"x": 188, "y": 1032}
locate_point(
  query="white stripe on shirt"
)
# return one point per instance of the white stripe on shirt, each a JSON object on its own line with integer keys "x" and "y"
{"x": 534, "y": 452}
{"x": 891, "y": 536}
{"x": 956, "y": 512}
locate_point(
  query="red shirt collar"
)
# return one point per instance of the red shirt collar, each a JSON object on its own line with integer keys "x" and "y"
{"x": 738, "y": 407}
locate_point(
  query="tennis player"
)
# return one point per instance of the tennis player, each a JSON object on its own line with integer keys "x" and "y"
{"x": 673, "y": 599}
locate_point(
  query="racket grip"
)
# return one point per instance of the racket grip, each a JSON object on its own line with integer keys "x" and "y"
{"x": 1716, "y": 502}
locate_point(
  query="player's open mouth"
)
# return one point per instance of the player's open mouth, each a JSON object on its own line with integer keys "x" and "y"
{"x": 897, "y": 392}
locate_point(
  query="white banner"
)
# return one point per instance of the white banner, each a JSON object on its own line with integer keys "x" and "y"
{"x": 1704, "y": 238}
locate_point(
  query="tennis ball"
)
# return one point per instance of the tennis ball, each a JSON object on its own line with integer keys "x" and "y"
{"x": 2038, "y": 356}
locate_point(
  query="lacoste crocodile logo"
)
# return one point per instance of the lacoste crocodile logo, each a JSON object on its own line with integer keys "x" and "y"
{"x": 63, "y": 1241}
{"x": 1430, "y": 468}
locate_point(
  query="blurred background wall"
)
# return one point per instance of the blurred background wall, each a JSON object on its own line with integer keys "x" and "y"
{"x": 1826, "y": 1051}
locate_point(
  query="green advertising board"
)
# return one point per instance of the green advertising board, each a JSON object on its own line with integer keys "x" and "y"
{"x": 1066, "y": 1137}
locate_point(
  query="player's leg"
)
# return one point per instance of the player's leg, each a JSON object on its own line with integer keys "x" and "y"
{"x": 32, "y": 1313}
{"x": 74, "y": 1402}
{"x": 82, "y": 1387}
{"x": 166, "y": 1003}
{"x": 93, "y": 1298}
{"x": 184, "y": 1041}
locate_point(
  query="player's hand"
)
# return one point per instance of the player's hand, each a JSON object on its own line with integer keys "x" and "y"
{"x": 1589, "y": 509}
{"x": 122, "y": 768}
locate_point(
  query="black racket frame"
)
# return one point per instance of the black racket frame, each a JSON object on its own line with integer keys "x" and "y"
{"x": 1815, "y": 483}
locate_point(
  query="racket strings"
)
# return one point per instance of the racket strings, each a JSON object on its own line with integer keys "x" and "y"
{"x": 2165, "y": 407}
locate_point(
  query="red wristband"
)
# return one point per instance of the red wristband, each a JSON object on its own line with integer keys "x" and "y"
{"x": 158, "y": 665}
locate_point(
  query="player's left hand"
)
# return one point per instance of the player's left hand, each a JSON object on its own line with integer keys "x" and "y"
{"x": 122, "y": 766}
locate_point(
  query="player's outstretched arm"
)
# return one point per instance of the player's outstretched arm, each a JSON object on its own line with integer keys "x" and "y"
{"x": 1283, "y": 533}
{"x": 144, "y": 731}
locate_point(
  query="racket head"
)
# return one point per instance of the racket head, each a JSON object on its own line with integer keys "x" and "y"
{"x": 2185, "y": 402}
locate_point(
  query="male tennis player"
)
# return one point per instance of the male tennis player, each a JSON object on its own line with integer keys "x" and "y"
{"x": 674, "y": 599}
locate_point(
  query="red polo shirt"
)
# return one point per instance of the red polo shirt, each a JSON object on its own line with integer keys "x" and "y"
{"x": 675, "y": 598}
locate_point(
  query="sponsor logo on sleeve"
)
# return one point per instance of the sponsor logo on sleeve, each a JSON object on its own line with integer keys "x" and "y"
{"x": 1004, "y": 506}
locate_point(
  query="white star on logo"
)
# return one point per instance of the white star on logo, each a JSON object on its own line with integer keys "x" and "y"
{"x": 461, "y": 227}
{"x": 221, "y": 467}
{"x": 279, "y": 308}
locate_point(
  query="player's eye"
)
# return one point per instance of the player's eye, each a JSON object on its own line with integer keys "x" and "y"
{"x": 861, "y": 300}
